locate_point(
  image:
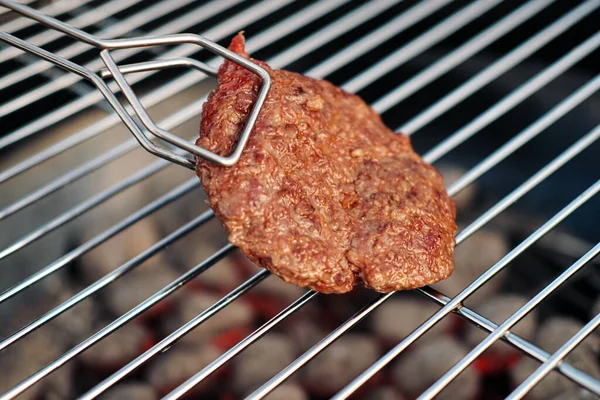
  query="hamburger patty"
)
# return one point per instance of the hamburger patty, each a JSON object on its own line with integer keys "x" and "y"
{"x": 324, "y": 195}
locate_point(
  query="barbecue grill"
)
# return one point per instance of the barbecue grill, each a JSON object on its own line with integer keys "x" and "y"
{"x": 506, "y": 90}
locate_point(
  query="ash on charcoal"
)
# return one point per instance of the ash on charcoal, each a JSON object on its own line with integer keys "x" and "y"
{"x": 553, "y": 387}
{"x": 398, "y": 317}
{"x": 261, "y": 361}
{"x": 423, "y": 366}
{"x": 131, "y": 391}
{"x": 472, "y": 258}
{"x": 116, "y": 349}
{"x": 304, "y": 332}
{"x": 465, "y": 199}
{"x": 550, "y": 336}
{"x": 189, "y": 304}
{"x": 556, "y": 331}
{"x": 172, "y": 368}
{"x": 224, "y": 275}
{"x": 44, "y": 345}
{"x": 287, "y": 391}
{"x": 497, "y": 309}
{"x": 341, "y": 362}
{"x": 76, "y": 324}
{"x": 120, "y": 249}
{"x": 384, "y": 393}
{"x": 132, "y": 289}
{"x": 31, "y": 354}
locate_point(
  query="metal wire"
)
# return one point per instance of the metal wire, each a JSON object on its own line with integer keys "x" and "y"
{"x": 101, "y": 238}
{"x": 52, "y": 9}
{"x": 217, "y": 32}
{"x": 119, "y": 322}
{"x": 333, "y": 30}
{"x": 556, "y": 358}
{"x": 437, "y": 387}
{"x": 420, "y": 44}
{"x": 169, "y": 123}
{"x": 499, "y": 67}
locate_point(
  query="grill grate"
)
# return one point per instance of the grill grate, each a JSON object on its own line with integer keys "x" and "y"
{"x": 414, "y": 48}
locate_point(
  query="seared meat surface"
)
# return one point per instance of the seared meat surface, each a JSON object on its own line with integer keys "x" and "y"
{"x": 324, "y": 195}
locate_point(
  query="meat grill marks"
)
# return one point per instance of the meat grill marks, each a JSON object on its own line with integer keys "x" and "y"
{"x": 324, "y": 195}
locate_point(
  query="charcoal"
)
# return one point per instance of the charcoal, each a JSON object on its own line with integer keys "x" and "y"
{"x": 420, "y": 368}
{"x": 131, "y": 290}
{"x": 131, "y": 391}
{"x": 398, "y": 317}
{"x": 556, "y": 331}
{"x": 472, "y": 258}
{"x": 174, "y": 367}
{"x": 189, "y": 304}
{"x": 261, "y": 361}
{"x": 117, "y": 349}
{"x": 341, "y": 362}
{"x": 287, "y": 391}
{"x": 497, "y": 309}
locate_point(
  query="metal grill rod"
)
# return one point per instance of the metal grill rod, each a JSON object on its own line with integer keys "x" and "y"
{"x": 105, "y": 159}
{"x": 555, "y": 360}
{"x": 430, "y": 293}
{"x": 174, "y": 119}
{"x": 526, "y": 347}
{"x": 340, "y": 26}
{"x": 450, "y": 306}
{"x": 385, "y": 32}
{"x": 68, "y": 178}
{"x": 506, "y": 325}
{"x": 83, "y": 207}
{"x": 64, "y": 305}
{"x": 524, "y": 188}
{"x": 465, "y": 51}
{"x": 53, "y": 267}
{"x": 92, "y": 202}
{"x": 458, "y": 299}
{"x": 107, "y": 279}
{"x": 436, "y": 34}
{"x": 119, "y": 322}
{"x": 473, "y": 227}
{"x": 52, "y": 9}
{"x": 317, "y": 348}
{"x": 556, "y": 113}
{"x": 143, "y": 212}
{"x": 514, "y": 98}
{"x": 239, "y": 347}
{"x": 218, "y": 32}
{"x": 253, "y": 44}
{"x": 499, "y": 67}
{"x": 192, "y": 324}
{"x": 513, "y": 19}
{"x": 120, "y": 28}
{"x": 85, "y": 19}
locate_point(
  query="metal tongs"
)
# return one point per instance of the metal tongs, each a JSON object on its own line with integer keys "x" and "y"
{"x": 143, "y": 127}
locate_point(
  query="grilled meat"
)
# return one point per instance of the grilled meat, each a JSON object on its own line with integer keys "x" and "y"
{"x": 324, "y": 195}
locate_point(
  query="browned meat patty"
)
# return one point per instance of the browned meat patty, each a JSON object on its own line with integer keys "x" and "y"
{"x": 324, "y": 195}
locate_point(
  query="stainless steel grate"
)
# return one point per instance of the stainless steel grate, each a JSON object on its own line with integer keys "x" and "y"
{"x": 365, "y": 47}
